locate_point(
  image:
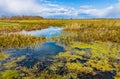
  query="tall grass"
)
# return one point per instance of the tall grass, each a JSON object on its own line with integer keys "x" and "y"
{"x": 17, "y": 25}
{"x": 19, "y": 40}
{"x": 95, "y": 32}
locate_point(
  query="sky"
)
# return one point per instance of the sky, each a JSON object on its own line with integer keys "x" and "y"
{"x": 61, "y": 8}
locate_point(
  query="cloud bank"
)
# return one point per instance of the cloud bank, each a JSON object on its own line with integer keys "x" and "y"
{"x": 46, "y": 8}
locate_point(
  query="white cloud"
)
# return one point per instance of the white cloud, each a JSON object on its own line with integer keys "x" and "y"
{"x": 112, "y": 11}
{"x": 85, "y": 7}
{"x": 115, "y": 11}
{"x": 96, "y": 12}
{"x": 31, "y": 7}
{"x": 46, "y": 8}
{"x": 52, "y": 5}
{"x": 22, "y": 6}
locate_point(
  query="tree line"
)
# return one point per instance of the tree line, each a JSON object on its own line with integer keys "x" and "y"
{"x": 21, "y": 18}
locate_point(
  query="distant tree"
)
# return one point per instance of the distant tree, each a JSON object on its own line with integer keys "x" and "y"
{"x": 16, "y": 18}
{"x": 31, "y": 17}
{"x": 4, "y": 17}
{"x": 21, "y": 18}
{"x": 71, "y": 18}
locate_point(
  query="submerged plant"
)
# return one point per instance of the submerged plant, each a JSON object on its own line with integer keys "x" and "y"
{"x": 10, "y": 74}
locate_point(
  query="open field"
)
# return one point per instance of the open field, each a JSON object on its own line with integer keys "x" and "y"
{"x": 17, "y": 25}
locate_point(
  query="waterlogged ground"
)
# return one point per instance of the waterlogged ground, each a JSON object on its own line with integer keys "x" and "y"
{"x": 41, "y": 51}
{"x": 71, "y": 53}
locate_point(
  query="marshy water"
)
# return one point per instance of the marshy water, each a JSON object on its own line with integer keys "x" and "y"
{"x": 41, "y": 51}
{"x": 48, "y": 32}
{"x": 55, "y": 52}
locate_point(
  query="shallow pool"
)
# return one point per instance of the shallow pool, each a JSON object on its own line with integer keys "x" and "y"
{"x": 34, "y": 54}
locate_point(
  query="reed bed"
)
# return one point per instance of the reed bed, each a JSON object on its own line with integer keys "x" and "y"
{"x": 18, "y": 25}
{"x": 19, "y": 40}
{"x": 95, "y": 32}
{"x": 15, "y": 27}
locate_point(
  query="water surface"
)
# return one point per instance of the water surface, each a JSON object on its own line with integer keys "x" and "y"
{"x": 35, "y": 54}
{"x": 48, "y": 32}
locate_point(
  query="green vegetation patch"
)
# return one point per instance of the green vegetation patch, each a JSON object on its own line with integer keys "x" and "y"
{"x": 80, "y": 63}
{"x": 82, "y": 60}
{"x": 10, "y": 74}
{"x": 3, "y": 55}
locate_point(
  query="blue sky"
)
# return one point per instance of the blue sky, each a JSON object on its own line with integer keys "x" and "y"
{"x": 62, "y": 8}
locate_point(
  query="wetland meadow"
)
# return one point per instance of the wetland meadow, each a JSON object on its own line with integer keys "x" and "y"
{"x": 60, "y": 49}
